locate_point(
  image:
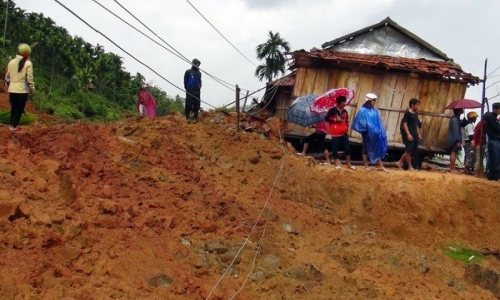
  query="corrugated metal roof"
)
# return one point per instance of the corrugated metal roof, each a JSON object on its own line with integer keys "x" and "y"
{"x": 443, "y": 69}
{"x": 386, "y": 22}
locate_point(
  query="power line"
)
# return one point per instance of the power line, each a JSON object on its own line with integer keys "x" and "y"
{"x": 186, "y": 59}
{"x": 177, "y": 53}
{"x": 247, "y": 239}
{"x": 121, "y": 19}
{"x": 230, "y": 85}
{"x": 220, "y": 33}
{"x": 133, "y": 16}
{"x": 119, "y": 47}
{"x": 493, "y": 72}
{"x": 248, "y": 95}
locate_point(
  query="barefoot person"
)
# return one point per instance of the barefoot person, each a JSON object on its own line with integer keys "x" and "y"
{"x": 371, "y": 127}
{"x": 411, "y": 134}
{"x": 19, "y": 77}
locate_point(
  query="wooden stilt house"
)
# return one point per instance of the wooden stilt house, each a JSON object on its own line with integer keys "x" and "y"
{"x": 279, "y": 93}
{"x": 390, "y": 61}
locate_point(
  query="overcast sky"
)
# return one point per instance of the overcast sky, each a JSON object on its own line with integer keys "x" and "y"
{"x": 465, "y": 30}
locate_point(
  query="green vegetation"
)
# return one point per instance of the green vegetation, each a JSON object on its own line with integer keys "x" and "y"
{"x": 26, "y": 118}
{"x": 272, "y": 52}
{"x": 73, "y": 78}
{"x": 465, "y": 255}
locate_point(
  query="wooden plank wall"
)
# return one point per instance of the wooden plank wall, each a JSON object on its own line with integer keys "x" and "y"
{"x": 283, "y": 101}
{"x": 394, "y": 90}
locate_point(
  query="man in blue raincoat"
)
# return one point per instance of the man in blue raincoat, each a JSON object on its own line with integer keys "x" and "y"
{"x": 369, "y": 124}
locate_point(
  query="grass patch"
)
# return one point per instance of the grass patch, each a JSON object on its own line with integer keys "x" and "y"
{"x": 464, "y": 255}
{"x": 26, "y": 118}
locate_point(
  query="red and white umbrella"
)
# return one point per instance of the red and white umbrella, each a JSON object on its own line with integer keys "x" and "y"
{"x": 323, "y": 103}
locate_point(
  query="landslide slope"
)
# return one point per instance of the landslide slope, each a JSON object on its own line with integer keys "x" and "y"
{"x": 162, "y": 209}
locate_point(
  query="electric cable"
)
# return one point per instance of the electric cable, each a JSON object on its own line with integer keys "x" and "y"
{"x": 137, "y": 19}
{"x": 186, "y": 59}
{"x": 233, "y": 102}
{"x": 132, "y": 56}
{"x": 220, "y": 33}
{"x": 177, "y": 53}
{"x": 278, "y": 176}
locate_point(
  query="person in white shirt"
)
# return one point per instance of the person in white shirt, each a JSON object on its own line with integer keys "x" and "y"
{"x": 19, "y": 78}
{"x": 468, "y": 133}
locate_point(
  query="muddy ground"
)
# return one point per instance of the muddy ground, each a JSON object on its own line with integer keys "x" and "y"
{"x": 162, "y": 209}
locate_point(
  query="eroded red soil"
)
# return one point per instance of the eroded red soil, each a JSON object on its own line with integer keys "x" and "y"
{"x": 159, "y": 209}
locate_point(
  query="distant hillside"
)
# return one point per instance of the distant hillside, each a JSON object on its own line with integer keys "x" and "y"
{"x": 74, "y": 79}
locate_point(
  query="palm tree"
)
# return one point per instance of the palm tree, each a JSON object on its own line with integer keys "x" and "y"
{"x": 273, "y": 51}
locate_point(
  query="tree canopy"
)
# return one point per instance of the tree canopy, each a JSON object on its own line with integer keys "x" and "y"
{"x": 273, "y": 54}
{"x": 73, "y": 77}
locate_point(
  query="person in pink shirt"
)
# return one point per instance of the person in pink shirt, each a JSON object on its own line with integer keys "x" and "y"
{"x": 146, "y": 104}
{"x": 478, "y": 140}
{"x": 318, "y": 136}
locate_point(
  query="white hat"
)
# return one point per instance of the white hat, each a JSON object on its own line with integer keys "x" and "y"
{"x": 370, "y": 96}
{"x": 144, "y": 85}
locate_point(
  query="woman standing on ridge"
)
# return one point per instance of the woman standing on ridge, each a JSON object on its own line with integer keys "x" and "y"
{"x": 19, "y": 78}
{"x": 146, "y": 104}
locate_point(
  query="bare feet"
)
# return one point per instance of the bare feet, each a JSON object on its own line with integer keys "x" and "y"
{"x": 399, "y": 165}
{"x": 455, "y": 171}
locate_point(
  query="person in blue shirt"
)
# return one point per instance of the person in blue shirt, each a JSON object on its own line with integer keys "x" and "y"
{"x": 192, "y": 85}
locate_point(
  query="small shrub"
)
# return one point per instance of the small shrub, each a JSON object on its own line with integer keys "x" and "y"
{"x": 67, "y": 111}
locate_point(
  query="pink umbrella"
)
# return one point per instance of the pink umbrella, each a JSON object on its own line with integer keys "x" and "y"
{"x": 323, "y": 103}
{"x": 463, "y": 104}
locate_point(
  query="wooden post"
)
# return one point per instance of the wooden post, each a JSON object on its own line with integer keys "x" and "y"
{"x": 237, "y": 108}
{"x": 483, "y": 101}
{"x": 245, "y": 102}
